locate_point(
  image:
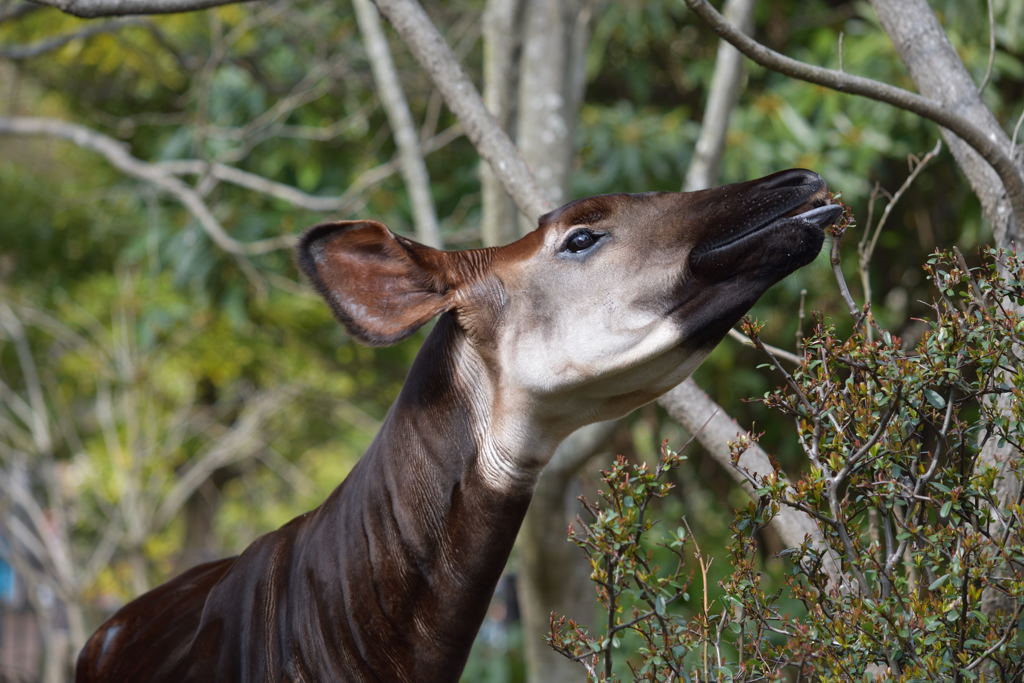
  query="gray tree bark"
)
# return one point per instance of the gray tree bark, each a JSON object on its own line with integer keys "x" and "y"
{"x": 494, "y": 145}
{"x": 939, "y": 73}
{"x": 551, "y": 90}
{"x": 410, "y": 156}
{"x": 541, "y": 93}
{"x": 502, "y": 31}
{"x": 712, "y": 426}
{"x": 553, "y": 573}
{"x": 723, "y": 92}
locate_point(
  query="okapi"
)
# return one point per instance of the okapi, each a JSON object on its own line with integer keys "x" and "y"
{"x": 610, "y": 302}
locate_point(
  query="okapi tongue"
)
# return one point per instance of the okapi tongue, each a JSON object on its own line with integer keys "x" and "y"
{"x": 822, "y": 216}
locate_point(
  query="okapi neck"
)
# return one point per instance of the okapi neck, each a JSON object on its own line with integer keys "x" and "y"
{"x": 420, "y": 538}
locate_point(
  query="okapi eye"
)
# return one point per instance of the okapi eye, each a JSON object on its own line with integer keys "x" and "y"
{"x": 581, "y": 240}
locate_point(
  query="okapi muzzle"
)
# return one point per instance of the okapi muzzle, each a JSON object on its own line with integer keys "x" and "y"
{"x": 610, "y": 302}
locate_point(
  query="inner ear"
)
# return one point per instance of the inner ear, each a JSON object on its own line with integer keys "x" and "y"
{"x": 381, "y": 286}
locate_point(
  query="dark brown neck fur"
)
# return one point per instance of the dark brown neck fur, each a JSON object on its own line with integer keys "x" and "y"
{"x": 388, "y": 579}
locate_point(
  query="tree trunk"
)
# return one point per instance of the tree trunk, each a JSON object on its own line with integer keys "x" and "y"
{"x": 939, "y": 73}
{"x": 534, "y": 77}
{"x": 410, "y": 156}
{"x": 502, "y": 29}
{"x": 553, "y": 573}
{"x": 553, "y": 576}
{"x": 551, "y": 80}
{"x": 723, "y": 92}
{"x": 200, "y": 511}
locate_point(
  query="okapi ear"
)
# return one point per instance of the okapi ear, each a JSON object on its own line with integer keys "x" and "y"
{"x": 382, "y": 286}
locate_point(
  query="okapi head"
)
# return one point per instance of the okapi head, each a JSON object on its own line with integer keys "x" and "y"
{"x": 609, "y": 303}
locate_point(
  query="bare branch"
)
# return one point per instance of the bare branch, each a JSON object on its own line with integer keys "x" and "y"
{"x": 995, "y": 154}
{"x": 1016, "y": 131}
{"x": 578, "y": 448}
{"x": 461, "y": 96}
{"x": 241, "y": 441}
{"x": 19, "y": 52}
{"x": 837, "y": 270}
{"x": 712, "y": 426}
{"x": 410, "y": 156}
{"x": 773, "y": 350}
{"x": 722, "y": 95}
{"x": 350, "y": 201}
{"x": 38, "y": 417}
{"x": 991, "y": 47}
{"x": 90, "y": 9}
{"x": 314, "y": 84}
{"x": 258, "y": 183}
{"x": 116, "y": 153}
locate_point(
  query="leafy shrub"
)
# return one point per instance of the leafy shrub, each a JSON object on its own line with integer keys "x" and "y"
{"x": 927, "y": 551}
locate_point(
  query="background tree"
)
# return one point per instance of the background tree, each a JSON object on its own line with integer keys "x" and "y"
{"x": 188, "y": 150}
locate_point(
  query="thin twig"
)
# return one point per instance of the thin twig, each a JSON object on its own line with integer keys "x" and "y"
{"x": 991, "y": 47}
{"x": 834, "y": 258}
{"x": 771, "y": 350}
{"x": 869, "y": 240}
{"x": 1016, "y": 131}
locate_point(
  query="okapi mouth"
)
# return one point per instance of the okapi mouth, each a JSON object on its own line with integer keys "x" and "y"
{"x": 820, "y": 216}
{"x": 784, "y": 231}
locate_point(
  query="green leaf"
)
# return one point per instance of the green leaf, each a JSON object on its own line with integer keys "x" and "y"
{"x": 937, "y": 583}
{"x": 935, "y": 399}
{"x": 659, "y": 606}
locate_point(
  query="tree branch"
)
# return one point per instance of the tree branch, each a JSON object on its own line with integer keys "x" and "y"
{"x": 711, "y": 425}
{"x": 119, "y": 157}
{"x": 242, "y": 440}
{"x": 414, "y": 169}
{"x": 90, "y": 9}
{"x": 349, "y": 201}
{"x": 19, "y": 52}
{"x": 461, "y": 96}
{"x": 995, "y": 154}
{"x": 578, "y": 448}
{"x": 258, "y": 183}
{"x": 19, "y": 10}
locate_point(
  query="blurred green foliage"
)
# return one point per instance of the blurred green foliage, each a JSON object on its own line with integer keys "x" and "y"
{"x": 117, "y": 265}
